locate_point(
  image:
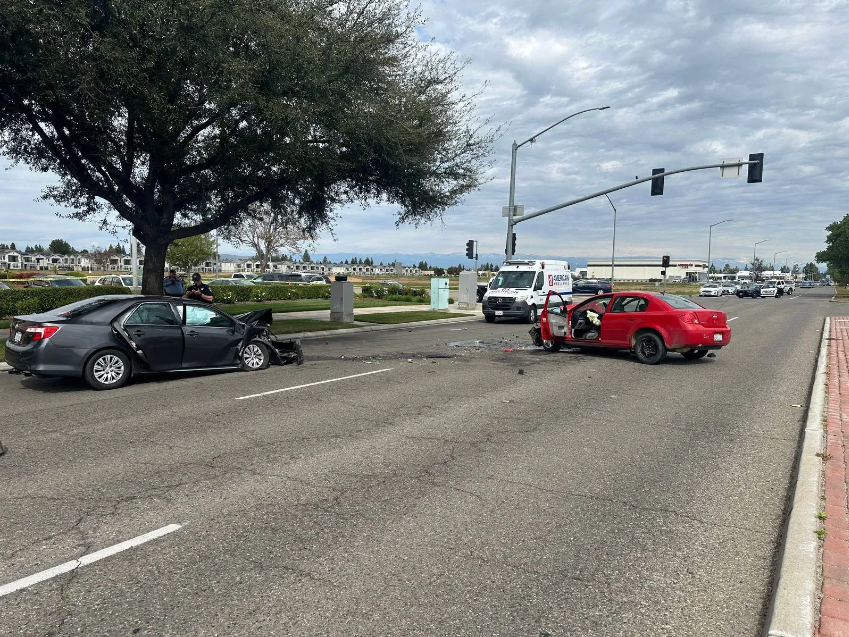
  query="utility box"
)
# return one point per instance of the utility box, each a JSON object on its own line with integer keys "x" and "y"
{"x": 468, "y": 290}
{"x": 342, "y": 302}
{"x": 439, "y": 294}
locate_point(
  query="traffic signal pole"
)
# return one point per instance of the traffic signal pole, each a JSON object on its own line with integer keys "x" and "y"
{"x": 511, "y": 222}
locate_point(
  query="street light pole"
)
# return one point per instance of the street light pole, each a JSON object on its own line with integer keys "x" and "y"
{"x": 511, "y": 201}
{"x": 710, "y": 236}
{"x": 755, "y": 255}
{"x": 774, "y": 254}
{"x": 613, "y": 256}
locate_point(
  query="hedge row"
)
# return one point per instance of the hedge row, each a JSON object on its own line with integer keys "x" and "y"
{"x": 34, "y": 300}
{"x": 382, "y": 292}
{"x": 257, "y": 293}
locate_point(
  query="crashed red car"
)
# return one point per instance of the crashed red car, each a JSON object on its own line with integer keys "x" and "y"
{"x": 646, "y": 323}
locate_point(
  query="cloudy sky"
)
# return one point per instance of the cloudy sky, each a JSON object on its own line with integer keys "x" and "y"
{"x": 687, "y": 82}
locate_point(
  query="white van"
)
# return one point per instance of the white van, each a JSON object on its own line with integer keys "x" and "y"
{"x": 520, "y": 287}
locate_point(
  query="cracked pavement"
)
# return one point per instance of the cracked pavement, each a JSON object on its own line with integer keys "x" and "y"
{"x": 451, "y": 496}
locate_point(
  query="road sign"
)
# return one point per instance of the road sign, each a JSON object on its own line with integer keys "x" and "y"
{"x": 730, "y": 171}
{"x": 518, "y": 211}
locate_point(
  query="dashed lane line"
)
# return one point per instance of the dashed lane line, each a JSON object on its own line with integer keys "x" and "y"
{"x": 321, "y": 382}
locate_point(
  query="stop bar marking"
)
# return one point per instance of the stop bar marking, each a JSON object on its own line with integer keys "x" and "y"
{"x": 26, "y": 582}
{"x": 321, "y": 382}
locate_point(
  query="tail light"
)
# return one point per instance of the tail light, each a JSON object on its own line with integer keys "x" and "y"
{"x": 690, "y": 319}
{"x": 42, "y": 332}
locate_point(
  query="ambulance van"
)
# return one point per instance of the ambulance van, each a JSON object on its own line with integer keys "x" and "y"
{"x": 520, "y": 288}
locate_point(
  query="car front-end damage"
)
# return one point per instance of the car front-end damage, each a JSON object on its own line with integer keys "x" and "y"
{"x": 258, "y": 328}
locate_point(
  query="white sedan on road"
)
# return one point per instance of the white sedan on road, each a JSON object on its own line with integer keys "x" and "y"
{"x": 710, "y": 289}
{"x": 729, "y": 287}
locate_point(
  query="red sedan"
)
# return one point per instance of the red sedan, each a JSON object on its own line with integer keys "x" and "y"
{"x": 646, "y": 323}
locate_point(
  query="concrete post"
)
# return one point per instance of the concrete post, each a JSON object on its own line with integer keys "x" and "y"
{"x": 342, "y": 302}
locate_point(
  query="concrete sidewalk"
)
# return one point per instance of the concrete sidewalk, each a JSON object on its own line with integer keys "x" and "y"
{"x": 834, "y": 607}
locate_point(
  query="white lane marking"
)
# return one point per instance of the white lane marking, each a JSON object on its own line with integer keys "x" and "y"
{"x": 732, "y": 319}
{"x": 321, "y": 382}
{"x": 26, "y": 582}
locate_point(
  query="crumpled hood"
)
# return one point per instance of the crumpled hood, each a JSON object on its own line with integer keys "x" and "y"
{"x": 257, "y": 317}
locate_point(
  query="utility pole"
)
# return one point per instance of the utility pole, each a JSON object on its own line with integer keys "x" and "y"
{"x": 755, "y": 256}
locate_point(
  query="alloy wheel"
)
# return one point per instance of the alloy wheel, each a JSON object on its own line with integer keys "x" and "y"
{"x": 108, "y": 369}
{"x": 253, "y": 356}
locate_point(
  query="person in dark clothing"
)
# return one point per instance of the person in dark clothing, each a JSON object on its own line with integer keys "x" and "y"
{"x": 199, "y": 291}
{"x": 173, "y": 286}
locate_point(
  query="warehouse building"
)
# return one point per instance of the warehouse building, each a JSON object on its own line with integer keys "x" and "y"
{"x": 647, "y": 269}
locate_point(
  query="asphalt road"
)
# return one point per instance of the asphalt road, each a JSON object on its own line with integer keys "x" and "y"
{"x": 471, "y": 491}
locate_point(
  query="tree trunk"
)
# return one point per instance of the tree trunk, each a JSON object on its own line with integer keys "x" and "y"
{"x": 263, "y": 263}
{"x": 153, "y": 274}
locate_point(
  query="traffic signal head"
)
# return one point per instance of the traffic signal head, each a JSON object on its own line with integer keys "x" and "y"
{"x": 665, "y": 261}
{"x": 657, "y": 184}
{"x": 513, "y": 240}
{"x": 756, "y": 171}
{"x": 470, "y": 249}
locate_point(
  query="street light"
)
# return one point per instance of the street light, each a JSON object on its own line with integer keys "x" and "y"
{"x": 773, "y": 259}
{"x": 710, "y": 236}
{"x": 510, "y": 205}
{"x": 613, "y": 256}
{"x": 754, "y": 256}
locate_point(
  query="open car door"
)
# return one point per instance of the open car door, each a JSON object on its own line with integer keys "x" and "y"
{"x": 554, "y": 320}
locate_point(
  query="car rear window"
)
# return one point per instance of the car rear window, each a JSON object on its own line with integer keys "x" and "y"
{"x": 81, "y": 308}
{"x": 66, "y": 283}
{"x": 679, "y": 302}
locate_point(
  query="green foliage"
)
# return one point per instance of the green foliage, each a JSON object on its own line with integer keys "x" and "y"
{"x": 256, "y": 293}
{"x": 178, "y": 116}
{"x": 185, "y": 254}
{"x": 811, "y": 271}
{"x": 60, "y": 246}
{"x": 395, "y": 294}
{"x": 306, "y": 258}
{"x": 836, "y": 254}
{"x": 407, "y": 298}
{"x": 34, "y": 300}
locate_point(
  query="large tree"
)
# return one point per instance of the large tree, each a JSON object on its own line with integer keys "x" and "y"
{"x": 180, "y": 115}
{"x": 836, "y": 253}
{"x": 185, "y": 254}
{"x": 60, "y": 246}
{"x": 269, "y": 231}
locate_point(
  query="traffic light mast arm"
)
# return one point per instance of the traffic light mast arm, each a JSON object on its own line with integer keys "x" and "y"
{"x": 601, "y": 193}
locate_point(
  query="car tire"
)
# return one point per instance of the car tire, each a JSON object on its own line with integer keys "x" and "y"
{"x": 551, "y": 346}
{"x": 649, "y": 348}
{"x": 254, "y": 357}
{"x": 107, "y": 369}
{"x": 739, "y": 295}
{"x": 489, "y": 318}
{"x": 694, "y": 354}
{"x": 789, "y": 292}
{"x": 532, "y": 314}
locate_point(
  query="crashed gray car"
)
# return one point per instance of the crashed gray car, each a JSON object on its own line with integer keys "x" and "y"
{"x": 108, "y": 339}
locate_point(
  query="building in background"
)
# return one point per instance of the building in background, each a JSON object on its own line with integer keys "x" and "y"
{"x": 648, "y": 269}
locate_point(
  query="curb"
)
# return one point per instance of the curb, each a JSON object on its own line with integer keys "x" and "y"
{"x": 5, "y": 367}
{"x": 377, "y": 328}
{"x": 792, "y": 612}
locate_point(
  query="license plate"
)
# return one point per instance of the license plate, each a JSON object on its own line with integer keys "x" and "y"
{"x": 499, "y": 313}
{"x": 717, "y": 337}
{"x": 17, "y": 337}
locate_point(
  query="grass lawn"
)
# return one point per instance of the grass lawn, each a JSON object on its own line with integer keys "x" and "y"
{"x": 841, "y": 293}
{"x": 671, "y": 288}
{"x": 393, "y": 318}
{"x": 296, "y": 326}
{"x": 305, "y": 305}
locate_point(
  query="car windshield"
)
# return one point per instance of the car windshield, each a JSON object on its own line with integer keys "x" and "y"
{"x": 514, "y": 279}
{"x": 710, "y": 285}
{"x": 680, "y": 303}
{"x": 127, "y": 280}
{"x": 66, "y": 283}
{"x": 82, "y": 307}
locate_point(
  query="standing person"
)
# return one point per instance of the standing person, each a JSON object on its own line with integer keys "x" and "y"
{"x": 199, "y": 291}
{"x": 173, "y": 286}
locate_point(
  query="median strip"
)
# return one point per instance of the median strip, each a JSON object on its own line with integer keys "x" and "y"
{"x": 67, "y": 567}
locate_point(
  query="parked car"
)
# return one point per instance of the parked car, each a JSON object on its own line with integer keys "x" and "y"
{"x": 808, "y": 284}
{"x": 646, "y": 323}
{"x": 108, "y": 339}
{"x": 591, "y": 286}
{"x": 120, "y": 281}
{"x": 315, "y": 279}
{"x": 729, "y": 287}
{"x": 55, "y": 281}
{"x": 279, "y": 278}
{"x": 391, "y": 284}
{"x": 230, "y": 282}
{"x": 710, "y": 289}
{"x": 3, "y": 286}
{"x": 242, "y": 276}
{"x": 749, "y": 290}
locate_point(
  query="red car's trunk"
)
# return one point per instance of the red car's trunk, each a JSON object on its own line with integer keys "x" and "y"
{"x": 711, "y": 318}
